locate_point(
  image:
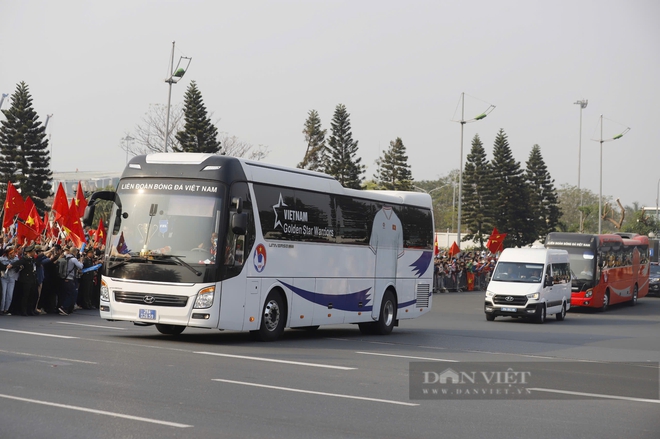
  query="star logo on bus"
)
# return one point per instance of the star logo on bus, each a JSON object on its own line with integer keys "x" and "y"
{"x": 279, "y": 205}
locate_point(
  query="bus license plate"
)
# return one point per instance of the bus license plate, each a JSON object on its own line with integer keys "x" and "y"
{"x": 509, "y": 309}
{"x": 147, "y": 314}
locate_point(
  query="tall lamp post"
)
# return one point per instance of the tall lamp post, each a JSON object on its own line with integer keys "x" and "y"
{"x": 583, "y": 104}
{"x": 600, "y": 187}
{"x": 175, "y": 75}
{"x": 127, "y": 141}
{"x": 2, "y": 99}
{"x": 657, "y": 212}
{"x": 462, "y": 121}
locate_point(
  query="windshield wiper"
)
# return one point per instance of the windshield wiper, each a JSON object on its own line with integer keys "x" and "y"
{"x": 178, "y": 259}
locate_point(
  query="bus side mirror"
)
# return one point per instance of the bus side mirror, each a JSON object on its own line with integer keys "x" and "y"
{"x": 117, "y": 225}
{"x": 88, "y": 216}
{"x": 239, "y": 223}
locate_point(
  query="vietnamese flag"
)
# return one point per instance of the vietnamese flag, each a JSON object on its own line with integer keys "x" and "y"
{"x": 495, "y": 241}
{"x": 436, "y": 250}
{"x": 470, "y": 281}
{"x": 27, "y": 208}
{"x": 60, "y": 205}
{"x": 13, "y": 205}
{"x": 24, "y": 233}
{"x": 99, "y": 235}
{"x": 33, "y": 221}
{"x": 81, "y": 202}
{"x": 454, "y": 250}
{"x": 74, "y": 228}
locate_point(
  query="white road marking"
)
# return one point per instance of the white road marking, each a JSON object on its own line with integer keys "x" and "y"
{"x": 92, "y": 326}
{"x": 36, "y": 333}
{"x": 312, "y": 392}
{"x": 272, "y": 360}
{"x": 49, "y": 357}
{"x": 407, "y": 356}
{"x": 596, "y": 395}
{"x": 97, "y": 412}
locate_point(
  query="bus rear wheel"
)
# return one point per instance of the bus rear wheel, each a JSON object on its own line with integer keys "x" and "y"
{"x": 170, "y": 329}
{"x": 273, "y": 317}
{"x": 633, "y": 299}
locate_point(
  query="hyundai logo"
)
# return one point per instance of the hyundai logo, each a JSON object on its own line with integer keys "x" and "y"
{"x": 149, "y": 299}
{"x": 507, "y": 298}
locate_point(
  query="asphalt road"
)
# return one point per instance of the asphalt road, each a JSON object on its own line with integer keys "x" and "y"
{"x": 83, "y": 377}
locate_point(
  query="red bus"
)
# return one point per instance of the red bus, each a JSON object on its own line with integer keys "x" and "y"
{"x": 606, "y": 269}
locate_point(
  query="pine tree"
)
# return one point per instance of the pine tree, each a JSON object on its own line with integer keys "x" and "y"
{"x": 315, "y": 138}
{"x": 393, "y": 171}
{"x": 340, "y": 161}
{"x": 510, "y": 207}
{"x": 543, "y": 199}
{"x": 477, "y": 194}
{"x": 199, "y": 134}
{"x": 24, "y": 155}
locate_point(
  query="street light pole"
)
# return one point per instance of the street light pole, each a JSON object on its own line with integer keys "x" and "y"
{"x": 174, "y": 76}
{"x": 462, "y": 121}
{"x": 600, "y": 189}
{"x": 127, "y": 139}
{"x": 583, "y": 104}
{"x": 657, "y": 195}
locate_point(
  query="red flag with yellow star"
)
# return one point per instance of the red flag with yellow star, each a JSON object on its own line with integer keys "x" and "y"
{"x": 496, "y": 241}
{"x": 60, "y": 205}
{"x": 27, "y": 208}
{"x": 81, "y": 202}
{"x": 33, "y": 221}
{"x": 13, "y": 205}
{"x": 74, "y": 227}
{"x": 99, "y": 235}
{"x": 454, "y": 250}
{"x": 25, "y": 234}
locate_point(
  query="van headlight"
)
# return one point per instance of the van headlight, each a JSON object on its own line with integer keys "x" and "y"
{"x": 205, "y": 298}
{"x": 105, "y": 292}
{"x": 534, "y": 296}
{"x": 489, "y": 294}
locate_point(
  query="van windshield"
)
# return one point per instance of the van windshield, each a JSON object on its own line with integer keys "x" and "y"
{"x": 518, "y": 272}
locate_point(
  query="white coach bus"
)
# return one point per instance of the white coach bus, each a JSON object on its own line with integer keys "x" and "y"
{"x": 210, "y": 241}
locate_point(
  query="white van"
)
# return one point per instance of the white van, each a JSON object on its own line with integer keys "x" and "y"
{"x": 529, "y": 282}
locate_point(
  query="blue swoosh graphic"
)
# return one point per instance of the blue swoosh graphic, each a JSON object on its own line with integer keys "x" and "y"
{"x": 343, "y": 302}
{"x": 422, "y": 263}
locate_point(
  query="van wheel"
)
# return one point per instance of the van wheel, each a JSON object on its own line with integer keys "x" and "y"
{"x": 561, "y": 315}
{"x": 273, "y": 317}
{"x": 606, "y": 301}
{"x": 635, "y": 293}
{"x": 490, "y": 317}
{"x": 170, "y": 329}
{"x": 540, "y": 318}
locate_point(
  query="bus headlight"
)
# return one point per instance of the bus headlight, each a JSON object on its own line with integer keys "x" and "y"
{"x": 105, "y": 292}
{"x": 534, "y": 296}
{"x": 589, "y": 293}
{"x": 205, "y": 298}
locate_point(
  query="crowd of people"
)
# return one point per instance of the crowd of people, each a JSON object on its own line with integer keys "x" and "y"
{"x": 33, "y": 284}
{"x": 468, "y": 271}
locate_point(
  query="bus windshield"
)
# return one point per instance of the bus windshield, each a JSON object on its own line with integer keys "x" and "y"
{"x": 175, "y": 222}
{"x": 583, "y": 263}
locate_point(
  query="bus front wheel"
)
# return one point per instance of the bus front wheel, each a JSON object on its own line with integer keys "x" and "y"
{"x": 170, "y": 329}
{"x": 606, "y": 301}
{"x": 273, "y": 317}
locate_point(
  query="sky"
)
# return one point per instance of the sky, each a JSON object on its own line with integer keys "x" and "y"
{"x": 399, "y": 67}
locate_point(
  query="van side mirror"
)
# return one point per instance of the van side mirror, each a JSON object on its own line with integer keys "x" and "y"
{"x": 548, "y": 281}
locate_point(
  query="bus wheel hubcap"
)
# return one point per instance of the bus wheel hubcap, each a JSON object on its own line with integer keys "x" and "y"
{"x": 272, "y": 315}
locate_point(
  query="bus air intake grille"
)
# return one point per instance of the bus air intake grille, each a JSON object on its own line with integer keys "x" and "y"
{"x": 150, "y": 299}
{"x": 500, "y": 299}
{"x": 423, "y": 294}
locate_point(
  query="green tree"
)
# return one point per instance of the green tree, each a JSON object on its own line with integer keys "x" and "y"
{"x": 510, "y": 207}
{"x": 341, "y": 161}
{"x": 24, "y": 155}
{"x": 569, "y": 206}
{"x": 315, "y": 138}
{"x": 543, "y": 200}
{"x": 477, "y": 194}
{"x": 393, "y": 171}
{"x": 198, "y": 134}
